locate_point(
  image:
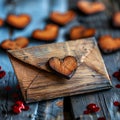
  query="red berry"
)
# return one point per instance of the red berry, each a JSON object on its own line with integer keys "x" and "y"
{"x": 7, "y": 88}
{"x": 86, "y": 112}
{"x": 2, "y": 74}
{"x": 101, "y": 118}
{"x": 117, "y": 86}
{"x": 16, "y": 109}
{"x": 20, "y": 104}
{"x": 116, "y": 103}
{"x": 26, "y": 108}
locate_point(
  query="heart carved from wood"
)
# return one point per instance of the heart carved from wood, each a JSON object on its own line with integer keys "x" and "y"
{"x": 18, "y": 43}
{"x": 78, "y": 32}
{"x": 65, "y": 67}
{"x": 48, "y": 34}
{"x": 62, "y": 18}
{"x": 90, "y": 7}
{"x": 109, "y": 44}
{"x": 18, "y": 21}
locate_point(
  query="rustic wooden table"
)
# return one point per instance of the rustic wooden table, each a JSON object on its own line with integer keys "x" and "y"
{"x": 53, "y": 109}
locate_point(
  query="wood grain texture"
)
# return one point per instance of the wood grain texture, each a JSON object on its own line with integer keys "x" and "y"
{"x": 102, "y": 23}
{"x": 39, "y": 11}
{"x": 39, "y": 85}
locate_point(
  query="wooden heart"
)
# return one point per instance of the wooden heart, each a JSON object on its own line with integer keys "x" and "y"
{"x": 109, "y": 44}
{"x": 78, "y": 32}
{"x": 90, "y": 7}
{"x": 19, "y": 21}
{"x": 48, "y": 34}
{"x": 18, "y": 43}
{"x": 116, "y": 19}
{"x": 1, "y": 22}
{"x": 62, "y": 18}
{"x": 65, "y": 67}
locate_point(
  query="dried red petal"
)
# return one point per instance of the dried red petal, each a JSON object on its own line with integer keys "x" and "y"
{"x": 86, "y": 112}
{"x": 116, "y": 74}
{"x": 2, "y": 74}
{"x": 101, "y": 118}
{"x": 26, "y": 108}
{"x": 117, "y": 86}
{"x": 8, "y": 88}
{"x": 116, "y": 103}
{"x": 16, "y": 109}
{"x": 20, "y": 104}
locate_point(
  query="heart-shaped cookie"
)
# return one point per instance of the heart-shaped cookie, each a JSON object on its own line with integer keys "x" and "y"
{"x": 108, "y": 44}
{"x": 116, "y": 19}
{"x": 18, "y": 21}
{"x": 90, "y": 7}
{"x": 48, "y": 34}
{"x": 65, "y": 67}
{"x": 62, "y": 18}
{"x": 18, "y": 43}
{"x": 78, "y": 32}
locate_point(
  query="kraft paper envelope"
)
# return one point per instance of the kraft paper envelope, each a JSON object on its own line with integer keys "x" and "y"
{"x": 38, "y": 83}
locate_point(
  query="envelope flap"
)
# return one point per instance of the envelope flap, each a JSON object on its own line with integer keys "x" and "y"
{"x": 39, "y": 55}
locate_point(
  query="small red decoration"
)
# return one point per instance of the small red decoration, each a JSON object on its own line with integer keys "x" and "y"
{"x": 117, "y": 86}
{"x": 116, "y": 103}
{"x": 117, "y": 74}
{"x": 2, "y": 74}
{"x": 19, "y": 106}
{"x": 16, "y": 109}
{"x": 91, "y": 108}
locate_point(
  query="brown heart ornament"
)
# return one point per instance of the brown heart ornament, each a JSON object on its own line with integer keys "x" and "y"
{"x": 66, "y": 67}
{"x": 18, "y": 21}
{"x": 62, "y": 18}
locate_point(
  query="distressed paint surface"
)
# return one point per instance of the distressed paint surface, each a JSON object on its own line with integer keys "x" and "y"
{"x": 104, "y": 99}
{"x": 39, "y": 10}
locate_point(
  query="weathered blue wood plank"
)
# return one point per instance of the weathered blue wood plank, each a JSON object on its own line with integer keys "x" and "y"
{"x": 39, "y": 10}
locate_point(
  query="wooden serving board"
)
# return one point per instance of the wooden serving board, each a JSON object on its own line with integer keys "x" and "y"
{"x": 38, "y": 83}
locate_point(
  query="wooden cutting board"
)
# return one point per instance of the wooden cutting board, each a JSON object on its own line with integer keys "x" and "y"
{"x": 38, "y": 83}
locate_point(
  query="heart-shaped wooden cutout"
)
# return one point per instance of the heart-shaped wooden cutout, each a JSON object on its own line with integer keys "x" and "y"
{"x": 18, "y": 43}
{"x": 116, "y": 19}
{"x": 62, "y": 18}
{"x": 108, "y": 44}
{"x": 48, "y": 34}
{"x": 18, "y": 21}
{"x": 78, "y": 32}
{"x": 65, "y": 67}
{"x": 90, "y": 7}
